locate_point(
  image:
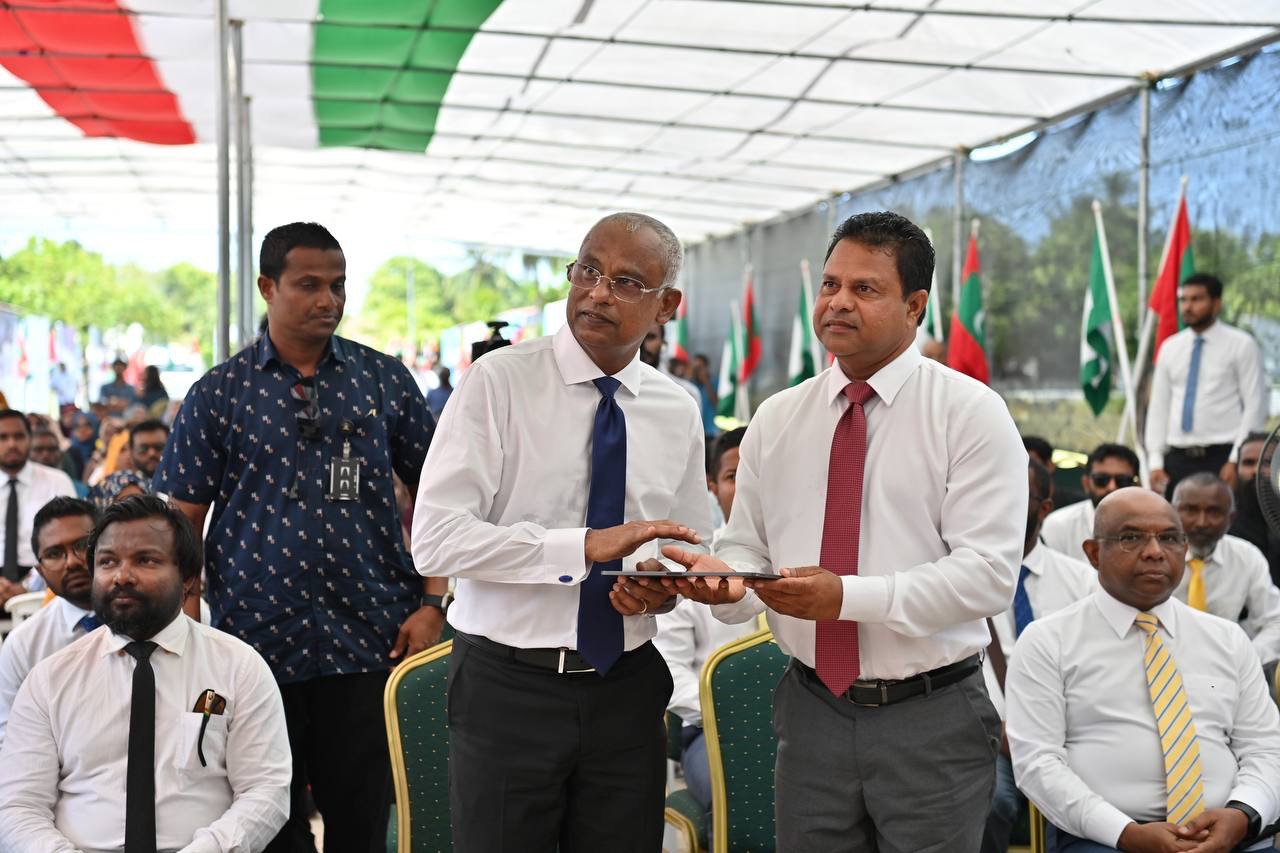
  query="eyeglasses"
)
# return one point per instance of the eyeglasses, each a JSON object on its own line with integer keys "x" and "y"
{"x": 304, "y": 391}
{"x": 1169, "y": 540}
{"x": 585, "y": 277}
{"x": 1122, "y": 481}
{"x": 58, "y": 555}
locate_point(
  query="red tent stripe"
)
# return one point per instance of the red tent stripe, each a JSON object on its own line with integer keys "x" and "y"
{"x": 113, "y": 95}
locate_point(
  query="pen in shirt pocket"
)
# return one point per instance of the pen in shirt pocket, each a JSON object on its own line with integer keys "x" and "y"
{"x": 208, "y": 704}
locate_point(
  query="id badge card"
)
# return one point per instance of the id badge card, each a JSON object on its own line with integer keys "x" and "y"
{"x": 344, "y": 472}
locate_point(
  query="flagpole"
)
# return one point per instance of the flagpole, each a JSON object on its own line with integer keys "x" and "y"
{"x": 935, "y": 299}
{"x": 1117, "y": 327}
{"x": 1140, "y": 364}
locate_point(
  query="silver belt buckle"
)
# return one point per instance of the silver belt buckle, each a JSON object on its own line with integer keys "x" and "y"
{"x": 561, "y": 670}
{"x": 884, "y": 694}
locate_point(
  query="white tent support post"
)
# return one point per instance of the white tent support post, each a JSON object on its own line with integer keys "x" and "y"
{"x": 244, "y": 231}
{"x": 222, "y": 343}
{"x": 1144, "y": 193}
{"x": 1127, "y": 421}
{"x": 411, "y": 345}
{"x": 957, "y": 227}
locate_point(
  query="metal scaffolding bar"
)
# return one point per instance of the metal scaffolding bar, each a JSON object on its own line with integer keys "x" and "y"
{"x": 222, "y": 342}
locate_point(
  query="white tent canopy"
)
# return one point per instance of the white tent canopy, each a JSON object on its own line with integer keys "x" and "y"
{"x": 710, "y": 114}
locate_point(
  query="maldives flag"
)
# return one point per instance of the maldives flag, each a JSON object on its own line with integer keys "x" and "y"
{"x": 680, "y": 332}
{"x": 1176, "y": 264}
{"x": 967, "y": 351}
{"x": 752, "y": 343}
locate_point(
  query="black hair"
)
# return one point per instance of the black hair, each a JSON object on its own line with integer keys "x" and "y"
{"x": 1109, "y": 451}
{"x": 1039, "y": 448}
{"x": 283, "y": 239}
{"x": 186, "y": 545}
{"x": 149, "y": 425}
{"x": 1044, "y": 480}
{"x": 59, "y": 507}
{"x": 14, "y": 414}
{"x": 1208, "y": 281}
{"x": 1254, "y": 436}
{"x": 912, "y": 252}
{"x": 726, "y": 442}
{"x": 151, "y": 379}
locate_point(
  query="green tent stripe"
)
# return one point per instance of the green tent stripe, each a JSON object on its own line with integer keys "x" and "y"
{"x": 372, "y": 103}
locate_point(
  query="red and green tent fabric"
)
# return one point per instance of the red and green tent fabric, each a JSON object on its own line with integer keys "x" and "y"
{"x": 967, "y": 349}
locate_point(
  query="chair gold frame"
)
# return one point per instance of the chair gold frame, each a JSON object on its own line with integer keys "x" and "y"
{"x": 711, "y": 733}
{"x": 399, "y": 774}
{"x": 684, "y": 827}
{"x": 1038, "y": 829}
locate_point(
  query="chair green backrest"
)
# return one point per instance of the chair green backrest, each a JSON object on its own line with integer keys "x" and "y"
{"x": 737, "y": 717}
{"x": 418, "y": 737}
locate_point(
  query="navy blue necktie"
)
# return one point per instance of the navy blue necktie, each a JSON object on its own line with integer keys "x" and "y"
{"x": 1193, "y": 382}
{"x": 89, "y": 623}
{"x": 1022, "y": 614}
{"x": 599, "y": 625}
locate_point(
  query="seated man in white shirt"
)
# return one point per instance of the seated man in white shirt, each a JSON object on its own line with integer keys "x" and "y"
{"x": 1110, "y": 467}
{"x": 1226, "y": 576}
{"x": 1048, "y": 581}
{"x": 690, "y": 633}
{"x": 25, "y": 486}
{"x": 59, "y": 539}
{"x": 1136, "y": 722}
{"x": 153, "y": 732}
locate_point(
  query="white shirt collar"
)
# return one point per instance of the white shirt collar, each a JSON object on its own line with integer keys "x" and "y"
{"x": 1035, "y": 560}
{"x": 69, "y": 613}
{"x": 23, "y": 476}
{"x": 577, "y": 367}
{"x": 1120, "y": 616}
{"x": 172, "y": 637}
{"x": 887, "y": 381}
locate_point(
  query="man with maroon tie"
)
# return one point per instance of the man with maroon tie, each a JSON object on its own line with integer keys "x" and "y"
{"x": 889, "y": 492}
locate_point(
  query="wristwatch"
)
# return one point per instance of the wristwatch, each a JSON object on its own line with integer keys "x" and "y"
{"x": 440, "y": 602}
{"x": 1255, "y": 820}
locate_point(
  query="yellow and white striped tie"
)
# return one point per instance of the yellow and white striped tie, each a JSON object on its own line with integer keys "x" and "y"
{"x": 1185, "y": 785}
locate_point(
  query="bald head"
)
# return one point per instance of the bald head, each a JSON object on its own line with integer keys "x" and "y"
{"x": 1120, "y": 505}
{"x": 1137, "y": 547}
{"x": 1207, "y": 484}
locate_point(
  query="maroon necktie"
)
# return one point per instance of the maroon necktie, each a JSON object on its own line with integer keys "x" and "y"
{"x": 837, "y": 640}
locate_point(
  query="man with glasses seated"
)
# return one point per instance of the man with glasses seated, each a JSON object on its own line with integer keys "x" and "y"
{"x": 59, "y": 536}
{"x": 1138, "y": 723}
{"x": 289, "y": 447}
{"x": 1110, "y": 467}
{"x": 1225, "y": 576}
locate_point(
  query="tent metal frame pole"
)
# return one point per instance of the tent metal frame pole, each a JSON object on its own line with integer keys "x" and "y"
{"x": 244, "y": 236}
{"x": 246, "y": 247}
{"x": 1144, "y": 193}
{"x": 222, "y": 343}
{"x": 957, "y": 226}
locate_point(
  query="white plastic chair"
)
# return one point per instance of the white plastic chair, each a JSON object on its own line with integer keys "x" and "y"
{"x": 21, "y": 606}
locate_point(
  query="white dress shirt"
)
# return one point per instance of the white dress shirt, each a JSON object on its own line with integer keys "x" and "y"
{"x": 63, "y": 768}
{"x": 1054, "y": 582}
{"x": 944, "y": 507}
{"x": 1231, "y": 392}
{"x": 687, "y": 636}
{"x": 1064, "y": 530}
{"x": 53, "y": 627}
{"x": 1083, "y": 734}
{"x": 502, "y": 501}
{"x": 37, "y": 485}
{"x": 1236, "y": 576}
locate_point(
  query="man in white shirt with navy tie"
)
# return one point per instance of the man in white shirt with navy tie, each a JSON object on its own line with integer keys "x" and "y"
{"x": 1225, "y": 576}
{"x": 154, "y": 732}
{"x": 1048, "y": 581}
{"x": 1137, "y": 723}
{"x": 59, "y": 539}
{"x": 890, "y": 493}
{"x": 558, "y": 459}
{"x": 1209, "y": 391}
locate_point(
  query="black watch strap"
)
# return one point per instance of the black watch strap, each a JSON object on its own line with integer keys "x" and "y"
{"x": 440, "y": 602}
{"x": 1255, "y": 819}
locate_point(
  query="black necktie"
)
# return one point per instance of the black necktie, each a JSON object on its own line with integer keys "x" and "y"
{"x": 140, "y": 787}
{"x": 11, "y": 534}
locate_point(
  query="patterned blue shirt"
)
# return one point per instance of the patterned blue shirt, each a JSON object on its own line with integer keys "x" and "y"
{"x": 318, "y": 587}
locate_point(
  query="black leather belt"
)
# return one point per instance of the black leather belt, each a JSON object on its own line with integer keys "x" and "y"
{"x": 562, "y": 661}
{"x": 1200, "y": 451}
{"x": 873, "y": 694}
